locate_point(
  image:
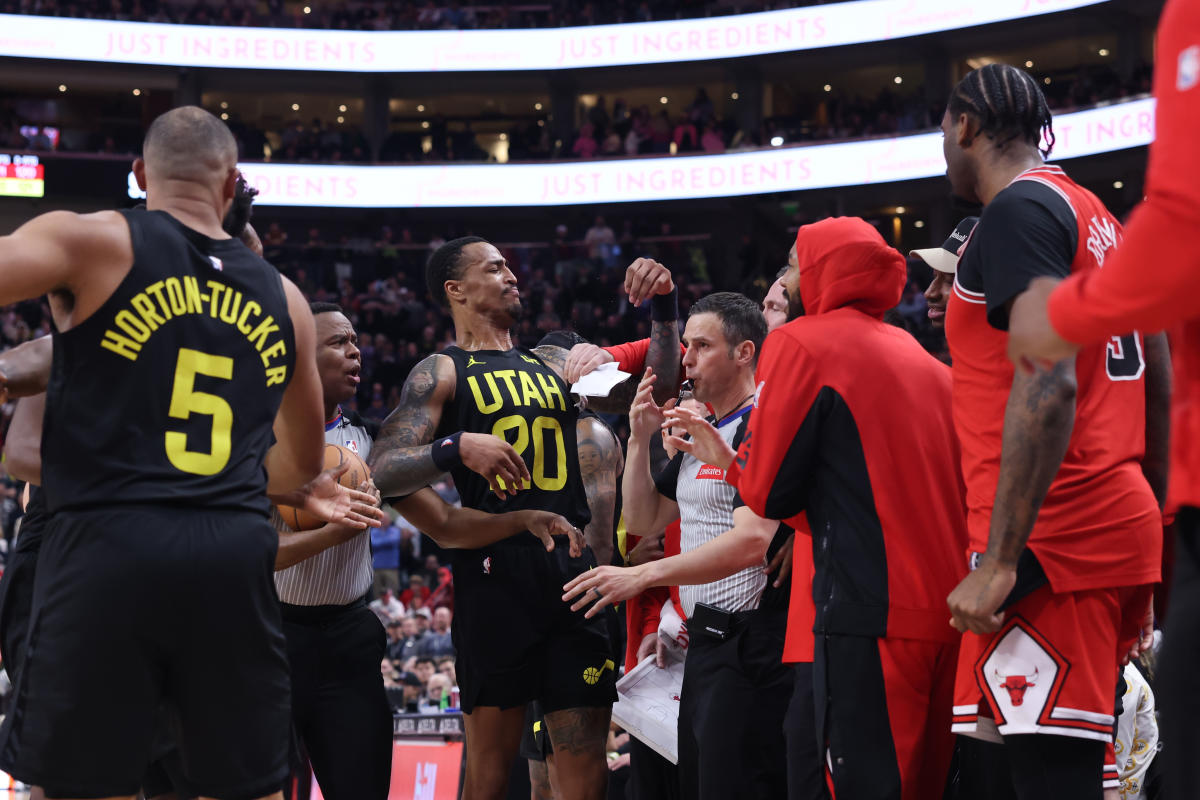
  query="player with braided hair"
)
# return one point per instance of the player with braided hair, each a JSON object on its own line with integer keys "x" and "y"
{"x": 1061, "y": 467}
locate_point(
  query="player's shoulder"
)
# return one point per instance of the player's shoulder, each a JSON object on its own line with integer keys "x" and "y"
{"x": 432, "y": 379}
{"x": 1028, "y": 201}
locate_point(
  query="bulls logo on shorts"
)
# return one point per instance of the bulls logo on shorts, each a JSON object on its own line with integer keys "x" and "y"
{"x": 1023, "y": 674}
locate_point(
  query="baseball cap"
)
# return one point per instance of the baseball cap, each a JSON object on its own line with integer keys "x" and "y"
{"x": 945, "y": 258}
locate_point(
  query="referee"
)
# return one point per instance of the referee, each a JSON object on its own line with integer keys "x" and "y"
{"x": 735, "y": 686}
{"x": 334, "y": 642}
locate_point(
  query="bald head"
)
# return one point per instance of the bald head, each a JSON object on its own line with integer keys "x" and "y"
{"x": 189, "y": 144}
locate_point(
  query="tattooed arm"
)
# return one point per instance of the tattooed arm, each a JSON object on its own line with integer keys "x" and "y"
{"x": 1158, "y": 414}
{"x": 663, "y": 358}
{"x": 600, "y": 463}
{"x": 1037, "y": 429}
{"x": 400, "y": 459}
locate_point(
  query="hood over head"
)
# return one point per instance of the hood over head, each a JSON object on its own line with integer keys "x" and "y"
{"x": 845, "y": 263}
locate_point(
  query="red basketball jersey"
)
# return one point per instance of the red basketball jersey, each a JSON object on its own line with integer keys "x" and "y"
{"x": 1099, "y": 524}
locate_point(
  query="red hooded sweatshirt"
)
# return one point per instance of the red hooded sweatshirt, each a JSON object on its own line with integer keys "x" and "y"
{"x": 852, "y": 425}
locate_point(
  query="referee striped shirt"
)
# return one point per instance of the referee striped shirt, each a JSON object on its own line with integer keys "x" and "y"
{"x": 706, "y": 504}
{"x": 341, "y": 574}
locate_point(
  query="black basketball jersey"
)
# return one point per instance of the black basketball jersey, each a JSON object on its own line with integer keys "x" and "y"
{"x": 167, "y": 393}
{"x": 513, "y": 395}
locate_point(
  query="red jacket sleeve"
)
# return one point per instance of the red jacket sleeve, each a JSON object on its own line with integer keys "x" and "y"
{"x": 631, "y": 356}
{"x": 773, "y": 458}
{"x": 1153, "y": 280}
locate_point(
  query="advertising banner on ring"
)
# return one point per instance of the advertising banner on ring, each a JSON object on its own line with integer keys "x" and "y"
{"x": 732, "y": 36}
{"x": 781, "y": 169}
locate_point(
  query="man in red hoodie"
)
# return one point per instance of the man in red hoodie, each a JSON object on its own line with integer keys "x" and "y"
{"x": 832, "y": 435}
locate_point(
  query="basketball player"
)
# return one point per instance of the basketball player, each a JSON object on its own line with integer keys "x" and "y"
{"x": 500, "y": 420}
{"x": 826, "y": 440}
{"x": 147, "y": 426}
{"x": 1065, "y": 530}
{"x": 1052, "y": 323}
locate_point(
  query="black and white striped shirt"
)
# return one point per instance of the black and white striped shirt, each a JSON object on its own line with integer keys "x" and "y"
{"x": 343, "y": 573}
{"x": 706, "y": 503}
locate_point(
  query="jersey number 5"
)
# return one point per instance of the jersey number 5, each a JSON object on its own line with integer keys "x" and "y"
{"x": 185, "y": 401}
{"x": 1124, "y": 360}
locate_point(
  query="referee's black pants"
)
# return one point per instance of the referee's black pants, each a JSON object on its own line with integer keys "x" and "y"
{"x": 1177, "y": 690}
{"x": 339, "y": 706}
{"x": 731, "y": 710}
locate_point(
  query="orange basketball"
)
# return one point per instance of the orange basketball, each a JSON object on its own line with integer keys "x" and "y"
{"x": 335, "y": 455}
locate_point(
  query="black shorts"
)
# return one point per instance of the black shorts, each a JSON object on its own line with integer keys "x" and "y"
{"x": 16, "y": 587}
{"x": 535, "y": 739}
{"x": 134, "y": 606}
{"x": 517, "y": 640}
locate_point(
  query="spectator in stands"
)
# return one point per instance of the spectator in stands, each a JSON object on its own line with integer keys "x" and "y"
{"x": 417, "y": 591}
{"x": 585, "y": 143}
{"x": 387, "y": 607}
{"x": 385, "y": 556}
{"x": 599, "y": 241}
{"x": 424, "y": 669}
{"x": 446, "y": 667}
{"x": 437, "y": 642}
{"x": 406, "y": 647}
{"x": 684, "y": 136}
{"x": 437, "y": 694}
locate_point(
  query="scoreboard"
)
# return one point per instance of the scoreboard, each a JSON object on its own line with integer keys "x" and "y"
{"x": 21, "y": 176}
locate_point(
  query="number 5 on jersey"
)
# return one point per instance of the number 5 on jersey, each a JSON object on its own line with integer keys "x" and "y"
{"x": 185, "y": 401}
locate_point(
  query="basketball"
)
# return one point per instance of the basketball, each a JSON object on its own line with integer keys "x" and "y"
{"x": 335, "y": 455}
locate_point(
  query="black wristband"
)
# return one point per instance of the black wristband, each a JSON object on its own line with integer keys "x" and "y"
{"x": 445, "y": 452}
{"x": 665, "y": 307}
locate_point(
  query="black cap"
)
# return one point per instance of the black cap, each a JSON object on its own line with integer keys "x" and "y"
{"x": 945, "y": 258}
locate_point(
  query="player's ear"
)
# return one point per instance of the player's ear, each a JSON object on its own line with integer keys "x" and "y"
{"x": 454, "y": 291}
{"x": 966, "y": 128}
{"x": 139, "y": 173}
{"x": 229, "y": 189}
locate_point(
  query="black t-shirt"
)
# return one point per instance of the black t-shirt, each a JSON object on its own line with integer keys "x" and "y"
{"x": 1026, "y": 232}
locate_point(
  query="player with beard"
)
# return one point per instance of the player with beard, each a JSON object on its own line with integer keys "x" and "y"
{"x": 500, "y": 420}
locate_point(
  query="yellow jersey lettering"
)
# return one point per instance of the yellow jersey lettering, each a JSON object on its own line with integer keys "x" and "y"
{"x": 132, "y": 326}
{"x": 496, "y": 401}
{"x": 230, "y": 305}
{"x": 507, "y": 376}
{"x": 550, "y": 387}
{"x": 529, "y": 391}
{"x": 191, "y": 291}
{"x": 277, "y": 349}
{"x": 276, "y": 375}
{"x": 120, "y": 345}
{"x": 258, "y": 337}
{"x": 251, "y": 307}
{"x": 156, "y": 290}
{"x": 147, "y": 311}
{"x": 215, "y": 290}
{"x": 175, "y": 295}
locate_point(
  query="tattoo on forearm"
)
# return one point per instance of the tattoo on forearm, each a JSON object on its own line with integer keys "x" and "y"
{"x": 400, "y": 458}
{"x": 600, "y": 473}
{"x": 663, "y": 358}
{"x": 1037, "y": 430}
{"x": 579, "y": 731}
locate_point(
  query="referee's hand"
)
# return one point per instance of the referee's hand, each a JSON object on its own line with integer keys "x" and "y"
{"x": 604, "y": 586}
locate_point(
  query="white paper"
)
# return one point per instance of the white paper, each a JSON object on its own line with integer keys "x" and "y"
{"x": 648, "y": 705}
{"x": 600, "y": 381}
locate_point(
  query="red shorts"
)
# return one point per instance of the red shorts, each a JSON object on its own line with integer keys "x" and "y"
{"x": 1052, "y": 668}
